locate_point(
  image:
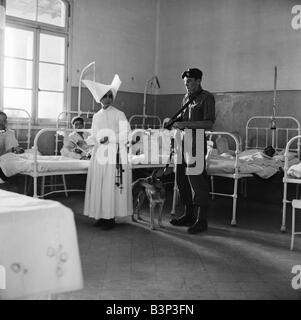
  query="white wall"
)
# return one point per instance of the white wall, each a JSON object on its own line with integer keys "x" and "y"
{"x": 236, "y": 43}
{"x": 120, "y": 35}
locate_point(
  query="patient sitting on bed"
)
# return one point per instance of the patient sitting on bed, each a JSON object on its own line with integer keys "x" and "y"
{"x": 75, "y": 145}
{"x": 8, "y": 141}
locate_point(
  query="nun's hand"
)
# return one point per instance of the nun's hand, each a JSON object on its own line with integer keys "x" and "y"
{"x": 104, "y": 140}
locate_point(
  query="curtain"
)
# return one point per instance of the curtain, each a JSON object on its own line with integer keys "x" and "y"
{"x": 2, "y": 28}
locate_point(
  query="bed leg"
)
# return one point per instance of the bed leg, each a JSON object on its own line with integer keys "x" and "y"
{"x": 65, "y": 185}
{"x": 212, "y": 187}
{"x": 233, "y": 222}
{"x": 174, "y": 199}
{"x": 297, "y": 191}
{"x": 284, "y": 201}
{"x": 244, "y": 187}
{"x": 35, "y": 187}
{"x": 43, "y": 186}
{"x": 25, "y": 184}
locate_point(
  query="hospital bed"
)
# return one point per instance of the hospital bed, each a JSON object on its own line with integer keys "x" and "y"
{"x": 245, "y": 164}
{"x": 36, "y": 165}
{"x": 39, "y": 253}
{"x": 55, "y": 167}
{"x": 32, "y": 163}
{"x": 292, "y": 175}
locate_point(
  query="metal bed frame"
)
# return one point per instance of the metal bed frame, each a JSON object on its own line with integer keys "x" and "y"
{"x": 154, "y": 124}
{"x": 63, "y": 122}
{"x": 287, "y": 179}
{"x": 35, "y": 174}
{"x": 271, "y": 133}
{"x": 271, "y": 136}
{"x": 20, "y": 123}
{"x": 235, "y": 176}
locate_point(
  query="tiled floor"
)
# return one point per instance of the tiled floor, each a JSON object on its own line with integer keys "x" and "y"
{"x": 250, "y": 261}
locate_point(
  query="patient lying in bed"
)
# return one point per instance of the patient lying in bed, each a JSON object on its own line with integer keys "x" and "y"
{"x": 75, "y": 145}
{"x": 263, "y": 163}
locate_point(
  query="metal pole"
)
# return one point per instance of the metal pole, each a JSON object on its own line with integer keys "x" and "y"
{"x": 80, "y": 83}
{"x": 144, "y": 104}
{"x": 273, "y": 122}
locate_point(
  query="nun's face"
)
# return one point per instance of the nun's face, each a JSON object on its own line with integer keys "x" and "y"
{"x": 107, "y": 100}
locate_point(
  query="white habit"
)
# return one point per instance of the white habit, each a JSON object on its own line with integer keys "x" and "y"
{"x": 103, "y": 199}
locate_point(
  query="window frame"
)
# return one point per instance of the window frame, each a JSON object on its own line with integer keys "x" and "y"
{"x": 39, "y": 28}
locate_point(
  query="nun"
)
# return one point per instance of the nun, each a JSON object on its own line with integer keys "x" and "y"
{"x": 108, "y": 188}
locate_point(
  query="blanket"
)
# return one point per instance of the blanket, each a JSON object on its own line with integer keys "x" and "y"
{"x": 295, "y": 171}
{"x": 252, "y": 161}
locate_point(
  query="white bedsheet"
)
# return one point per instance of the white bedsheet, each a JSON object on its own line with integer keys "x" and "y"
{"x": 295, "y": 171}
{"x": 250, "y": 162}
{"x": 12, "y": 164}
{"x": 38, "y": 247}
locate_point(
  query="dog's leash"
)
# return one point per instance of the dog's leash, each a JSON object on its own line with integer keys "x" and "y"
{"x": 172, "y": 151}
{"x": 120, "y": 170}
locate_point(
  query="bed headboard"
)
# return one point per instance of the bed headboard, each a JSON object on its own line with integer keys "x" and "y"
{"x": 263, "y": 131}
{"x": 64, "y": 118}
{"x": 20, "y": 121}
{"x": 140, "y": 121}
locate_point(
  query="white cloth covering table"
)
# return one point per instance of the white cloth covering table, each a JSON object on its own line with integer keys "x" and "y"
{"x": 38, "y": 247}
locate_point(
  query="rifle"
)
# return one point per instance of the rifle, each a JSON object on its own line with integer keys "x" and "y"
{"x": 174, "y": 118}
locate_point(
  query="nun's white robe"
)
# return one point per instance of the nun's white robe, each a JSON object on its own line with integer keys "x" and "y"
{"x": 103, "y": 199}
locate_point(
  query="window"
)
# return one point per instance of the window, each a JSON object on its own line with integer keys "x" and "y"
{"x": 36, "y": 57}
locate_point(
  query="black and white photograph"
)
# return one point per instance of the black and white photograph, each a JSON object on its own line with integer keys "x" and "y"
{"x": 150, "y": 153}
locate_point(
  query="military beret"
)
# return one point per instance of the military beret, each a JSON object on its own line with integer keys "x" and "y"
{"x": 192, "y": 73}
{"x": 77, "y": 118}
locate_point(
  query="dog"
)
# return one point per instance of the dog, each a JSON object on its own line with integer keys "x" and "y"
{"x": 153, "y": 188}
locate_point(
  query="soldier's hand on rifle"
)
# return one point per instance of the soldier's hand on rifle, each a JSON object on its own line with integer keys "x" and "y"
{"x": 179, "y": 125}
